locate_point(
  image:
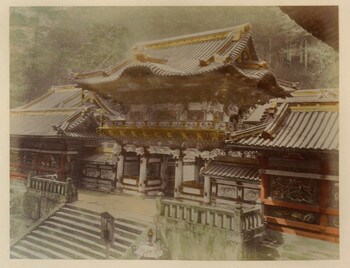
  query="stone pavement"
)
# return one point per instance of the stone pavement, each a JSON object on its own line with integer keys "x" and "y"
{"x": 118, "y": 205}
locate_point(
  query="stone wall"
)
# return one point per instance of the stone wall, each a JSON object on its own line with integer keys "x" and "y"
{"x": 18, "y": 222}
{"x": 187, "y": 241}
{"x": 37, "y": 203}
{"x": 293, "y": 247}
{"x": 28, "y": 205}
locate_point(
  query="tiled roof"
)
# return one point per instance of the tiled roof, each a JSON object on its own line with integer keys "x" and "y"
{"x": 52, "y": 123}
{"x": 232, "y": 171}
{"x": 56, "y": 97}
{"x": 38, "y": 123}
{"x": 61, "y": 111}
{"x": 186, "y": 56}
{"x": 297, "y": 125}
{"x": 303, "y": 130}
{"x": 100, "y": 158}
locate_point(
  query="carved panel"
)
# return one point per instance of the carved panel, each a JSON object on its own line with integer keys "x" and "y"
{"x": 130, "y": 148}
{"x": 131, "y": 167}
{"x": 107, "y": 174}
{"x": 49, "y": 160}
{"x": 159, "y": 150}
{"x": 245, "y": 154}
{"x": 28, "y": 158}
{"x": 212, "y": 154}
{"x": 251, "y": 195}
{"x": 334, "y": 190}
{"x": 333, "y": 221}
{"x": 294, "y": 190}
{"x": 140, "y": 151}
{"x": 92, "y": 172}
{"x": 227, "y": 191}
{"x": 294, "y": 215}
{"x": 15, "y": 156}
{"x": 153, "y": 169}
{"x": 191, "y": 153}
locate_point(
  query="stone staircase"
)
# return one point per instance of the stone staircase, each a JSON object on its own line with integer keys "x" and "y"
{"x": 74, "y": 233}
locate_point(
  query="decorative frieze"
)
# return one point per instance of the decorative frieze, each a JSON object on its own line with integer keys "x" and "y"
{"x": 251, "y": 195}
{"x": 140, "y": 151}
{"x": 191, "y": 153}
{"x": 243, "y": 154}
{"x": 295, "y": 215}
{"x": 164, "y": 150}
{"x": 227, "y": 191}
{"x": 294, "y": 190}
{"x": 130, "y": 148}
{"x": 212, "y": 154}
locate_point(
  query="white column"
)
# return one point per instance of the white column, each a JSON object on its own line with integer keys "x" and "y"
{"x": 163, "y": 168}
{"x": 178, "y": 177}
{"x": 142, "y": 177}
{"x": 206, "y": 198}
{"x": 120, "y": 167}
{"x": 190, "y": 170}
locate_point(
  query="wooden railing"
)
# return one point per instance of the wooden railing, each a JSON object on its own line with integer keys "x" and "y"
{"x": 244, "y": 225}
{"x": 210, "y": 125}
{"x": 49, "y": 184}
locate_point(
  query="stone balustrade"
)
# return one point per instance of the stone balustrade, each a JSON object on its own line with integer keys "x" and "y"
{"x": 49, "y": 184}
{"x": 242, "y": 224}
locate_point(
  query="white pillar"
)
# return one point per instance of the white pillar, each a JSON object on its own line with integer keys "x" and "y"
{"x": 163, "y": 168}
{"x": 178, "y": 177}
{"x": 120, "y": 167}
{"x": 206, "y": 198}
{"x": 142, "y": 177}
{"x": 190, "y": 170}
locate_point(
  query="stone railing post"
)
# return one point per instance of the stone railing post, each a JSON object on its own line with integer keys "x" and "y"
{"x": 178, "y": 177}
{"x": 207, "y": 190}
{"x": 159, "y": 203}
{"x": 71, "y": 193}
{"x": 237, "y": 223}
{"x": 29, "y": 178}
{"x": 143, "y": 174}
{"x": 120, "y": 167}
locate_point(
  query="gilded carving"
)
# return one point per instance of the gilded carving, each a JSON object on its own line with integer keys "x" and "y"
{"x": 295, "y": 215}
{"x": 140, "y": 151}
{"x": 294, "y": 190}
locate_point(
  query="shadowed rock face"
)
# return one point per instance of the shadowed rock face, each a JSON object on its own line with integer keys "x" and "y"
{"x": 320, "y": 21}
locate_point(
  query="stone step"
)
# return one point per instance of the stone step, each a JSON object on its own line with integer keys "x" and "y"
{"x": 28, "y": 253}
{"x": 90, "y": 247}
{"x": 83, "y": 210}
{"x": 16, "y": 255}
{"x": 128, "y": 227}
{"x": 120, "y": 248}
{"x": 47, "y": 243}
{"x": 125, "y": 235}
{"x": 121, "y": 237}
{"x": 91, "y": 243}
{"x": 82, "y": 215}
{"x": 125, "y": 229}
{"x": 74, "y": 224}
{"x": 77, "y": 250}
{"x": 133, "y": 222}
{"x": 122, "y": 245}
{"x": 74, "y": 233}
{"x": 33, "y": 245}
{"x": 77, "y": 219}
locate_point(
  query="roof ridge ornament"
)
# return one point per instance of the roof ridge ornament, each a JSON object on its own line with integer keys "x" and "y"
{"x": 142, "y": 57}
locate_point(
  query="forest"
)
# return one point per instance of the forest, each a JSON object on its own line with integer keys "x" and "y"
{"x": 47, "y": 43}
